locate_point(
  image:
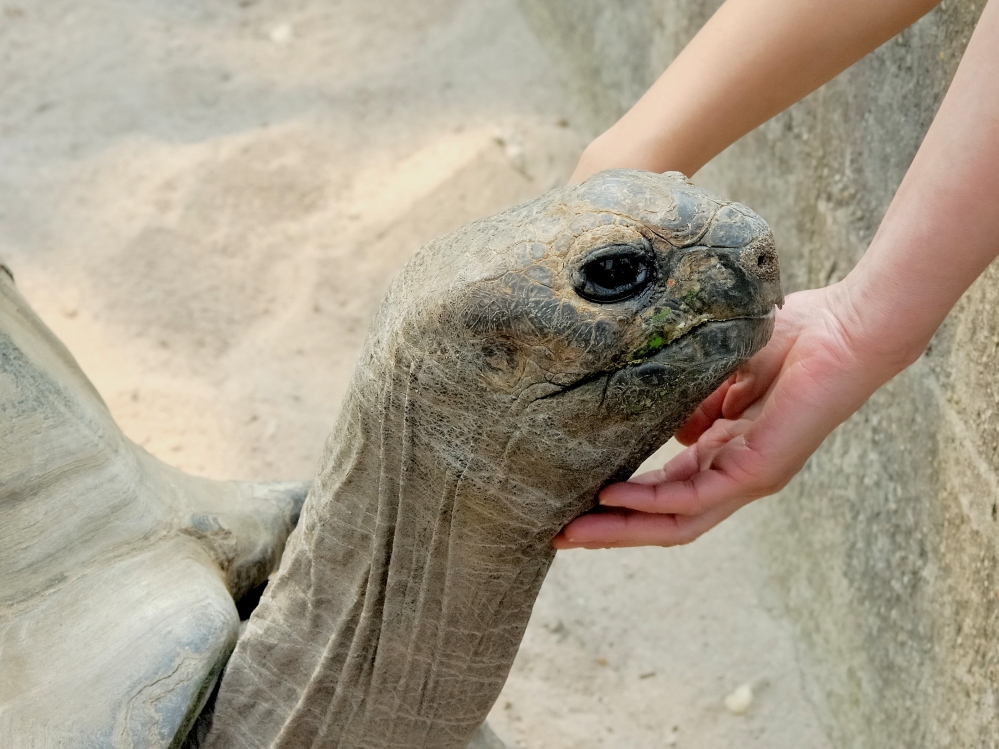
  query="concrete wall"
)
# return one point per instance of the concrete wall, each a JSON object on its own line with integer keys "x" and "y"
{"x": 884, "y": 550}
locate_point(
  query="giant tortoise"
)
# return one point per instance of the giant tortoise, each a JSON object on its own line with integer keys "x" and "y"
{"x": 516, "y": 366}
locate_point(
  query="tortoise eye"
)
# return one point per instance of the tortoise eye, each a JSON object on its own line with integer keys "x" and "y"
{"x": 619, "y": 272}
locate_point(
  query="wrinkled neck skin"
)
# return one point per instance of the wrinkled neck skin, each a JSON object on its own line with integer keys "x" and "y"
{"x": 404, "y": 593}
{"x": 490, "y": 405}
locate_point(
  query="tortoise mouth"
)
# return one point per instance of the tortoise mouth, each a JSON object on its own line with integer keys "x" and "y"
{"x": 709, "y": 345}
{"x": 713, "y": 346}
{"x": 712, "y": 340}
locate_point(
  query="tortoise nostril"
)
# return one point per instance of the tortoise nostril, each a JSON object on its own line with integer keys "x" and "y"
{"x": 761, "y": 262}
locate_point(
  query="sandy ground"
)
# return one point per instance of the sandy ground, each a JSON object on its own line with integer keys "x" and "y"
{"x": 206, "y": 199}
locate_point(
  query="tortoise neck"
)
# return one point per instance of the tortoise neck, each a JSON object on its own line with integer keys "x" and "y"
{"x": 401, "y": 599}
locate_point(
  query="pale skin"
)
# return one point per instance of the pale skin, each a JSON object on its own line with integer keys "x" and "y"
{"x": 834, "y": 346}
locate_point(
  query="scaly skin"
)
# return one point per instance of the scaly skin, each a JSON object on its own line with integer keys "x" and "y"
{"x": 490, "y": 405}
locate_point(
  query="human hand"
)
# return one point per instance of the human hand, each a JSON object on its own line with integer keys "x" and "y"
{"x": 938, "y": 235}
{"x": 753, "y": 434}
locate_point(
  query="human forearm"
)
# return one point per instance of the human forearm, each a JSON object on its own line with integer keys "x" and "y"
{"x": 753, "y": 59}
{"x": 942, "y": 228}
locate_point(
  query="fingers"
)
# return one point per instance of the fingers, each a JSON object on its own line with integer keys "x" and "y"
{"x": 692, "y": 493}
{"x": 668, "y": 507}
{"x": 723, "y": 435}
{"x": 691, "y": 496}
{"x": 706, "y": 414}
{"x": 754, "y": 380}
{"x": 738, "y": 393}
{"x": 749, "y": 386}
{"x": 621, "y": 528}
{"x": 679, "y": 468}
{"x": 743, "y": 389}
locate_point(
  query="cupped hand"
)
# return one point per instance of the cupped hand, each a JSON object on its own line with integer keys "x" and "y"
{"x": 753, "y": 434}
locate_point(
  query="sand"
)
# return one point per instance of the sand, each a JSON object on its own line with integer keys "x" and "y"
{"x": 205, "y": 200}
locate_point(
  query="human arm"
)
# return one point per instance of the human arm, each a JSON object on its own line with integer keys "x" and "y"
{"x": 752, "y": 60}
{"x": 833, "y": 347}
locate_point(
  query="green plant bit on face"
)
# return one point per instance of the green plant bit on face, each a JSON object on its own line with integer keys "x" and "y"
{"x": 655, "y": 343}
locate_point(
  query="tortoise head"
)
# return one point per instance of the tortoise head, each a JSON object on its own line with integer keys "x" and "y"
{"x": 562, "y": 341}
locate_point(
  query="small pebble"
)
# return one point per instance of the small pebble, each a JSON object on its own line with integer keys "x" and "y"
{"x": 282, "y": 33}
{"x": 70, "y": 303}
{"x": 513, "y": 150}
{"x": 514, "y": 153}
{"x": 740, "y": 700}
